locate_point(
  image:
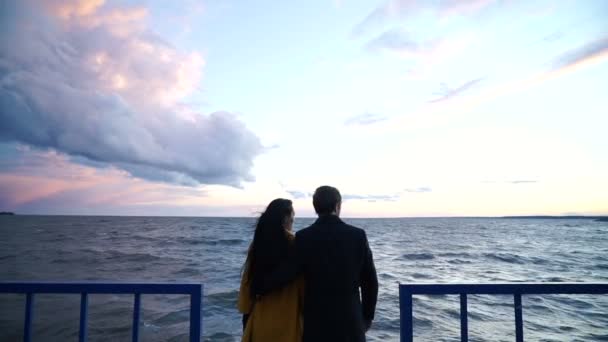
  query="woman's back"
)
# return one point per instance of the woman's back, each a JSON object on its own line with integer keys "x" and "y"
{"x": 277, "y": 316}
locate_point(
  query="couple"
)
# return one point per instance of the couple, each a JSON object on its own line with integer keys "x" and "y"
{"x": 306, "y": 288}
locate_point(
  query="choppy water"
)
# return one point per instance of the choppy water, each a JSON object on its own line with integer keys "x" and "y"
{"x": 212, "y": 250}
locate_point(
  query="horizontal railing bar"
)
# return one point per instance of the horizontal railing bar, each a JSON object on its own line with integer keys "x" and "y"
{"x": 99, "y": 288}
{"x": 506, "y": 288}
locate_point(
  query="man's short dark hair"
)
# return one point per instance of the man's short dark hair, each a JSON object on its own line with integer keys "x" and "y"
{"x": 326, "y": 199}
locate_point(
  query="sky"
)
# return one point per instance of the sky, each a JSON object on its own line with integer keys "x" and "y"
{"x": 214, "y": 108}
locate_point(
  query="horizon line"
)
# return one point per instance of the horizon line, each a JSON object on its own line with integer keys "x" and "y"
{"x": 540, "y": 216}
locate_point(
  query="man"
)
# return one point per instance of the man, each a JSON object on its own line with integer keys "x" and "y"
{"x": 336, "y": 262}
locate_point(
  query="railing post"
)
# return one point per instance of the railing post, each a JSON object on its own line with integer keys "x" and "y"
{"x": 195, "y": 314}
{"x": 136, "y": 312}
{"x": 464, "y": 319}
{"x": 407, "y": 315}
{"x": 27, "y": 325}
{"x": 82, "y": 333}
{"x": 519, "y": 325}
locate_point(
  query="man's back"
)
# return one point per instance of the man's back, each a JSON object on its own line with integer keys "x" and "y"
{"x": 336, "y": 260}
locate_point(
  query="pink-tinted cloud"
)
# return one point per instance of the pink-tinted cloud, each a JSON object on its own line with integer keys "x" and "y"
{"x": 90, "y": 79}
{"x": 47, "y": 176}
{"x": 91, "y": 14}
{"x": 76, "y": 8}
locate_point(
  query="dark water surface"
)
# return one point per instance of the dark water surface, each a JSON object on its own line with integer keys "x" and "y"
{"x": 212, "y": 250}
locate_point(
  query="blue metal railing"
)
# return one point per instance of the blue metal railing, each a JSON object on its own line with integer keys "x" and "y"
{"x": 407, "y": 291}
{"x": 84, "y": 289}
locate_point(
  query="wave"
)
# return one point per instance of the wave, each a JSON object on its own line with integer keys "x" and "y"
{"x": 459, "y": 262}
{"x": 455, "y": 255}
{"x": 188, "y": 271}
{"x": 10, "y": 256}
{"x": 132, "y": 257}
{"x": 505, "y": 257}
{"x": 421, "y": 276}
{"x": 227, "y": 242}
{"x": 418, "y": 256}
{"x": 213, "y": 242}
{"x": 223, "y": 297}
{"x": 174, "y": 317}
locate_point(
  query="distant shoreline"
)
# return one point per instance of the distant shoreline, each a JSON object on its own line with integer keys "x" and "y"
{"x": 573, "y": 217}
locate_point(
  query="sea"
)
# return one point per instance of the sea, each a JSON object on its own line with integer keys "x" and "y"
{"x": 212, "y": 251}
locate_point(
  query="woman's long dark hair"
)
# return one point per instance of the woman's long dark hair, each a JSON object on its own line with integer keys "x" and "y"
{"x": 270, "y": 244}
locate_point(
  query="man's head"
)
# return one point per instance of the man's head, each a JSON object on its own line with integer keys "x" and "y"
{"x": 327, "y": 201}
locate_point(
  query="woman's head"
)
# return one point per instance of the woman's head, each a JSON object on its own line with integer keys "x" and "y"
{"x": 278, "y": 215}
{"x": 270, "y": 243}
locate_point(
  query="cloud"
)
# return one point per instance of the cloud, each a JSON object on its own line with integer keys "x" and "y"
{"x": 408, "y": 8}
{"x": 561, "y": 66}
{"x": 515, "y": 182}
{"x": 424, "y": 54}
{"x": 386, "y": 197}
{"x": 553, "y": 37}
{"x": 381, "y": 13}
{"x": 90, "y": 80}
{"x": 447, "y": 93}
{"x": 298, "y": 194}
{"x": 581, "y": 53}
{"x": 395, "y": 40}
{"x": 371, "y": 198}
{"x": 463, "y": 7}
{"x": 364, "y": 119}
{"x": 33, "y": 179}
{"x": 419, "y": 190}
{"x": 390, "y": 197}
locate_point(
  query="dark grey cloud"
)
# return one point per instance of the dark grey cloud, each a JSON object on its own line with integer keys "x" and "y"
{"x": 57, "y": 91}
{"x": 447, "y": 93}
{"x": 364, "y": 119}
{"x": 581, "y": 53}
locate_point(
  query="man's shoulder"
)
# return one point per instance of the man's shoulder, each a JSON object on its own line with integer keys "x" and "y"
{"x": 349, "y": 231}
{"x": 304, "y": 231}
{"x": 348, "y": 228}
{"x": 360, "y": 232}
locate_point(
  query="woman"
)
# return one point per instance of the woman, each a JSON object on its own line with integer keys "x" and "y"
{"x": 276, "y": 316}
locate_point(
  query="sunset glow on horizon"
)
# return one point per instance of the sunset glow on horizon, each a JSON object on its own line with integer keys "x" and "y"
{"x": 214, "y": 108}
